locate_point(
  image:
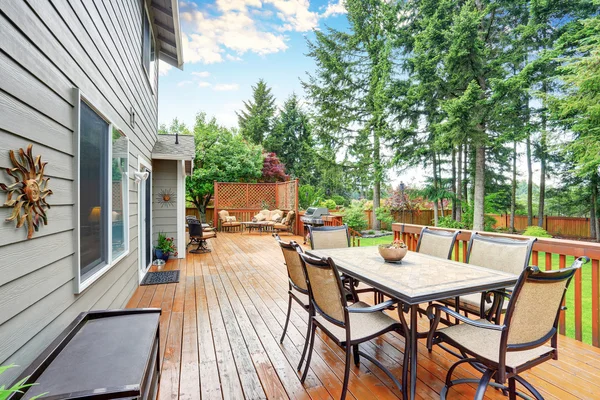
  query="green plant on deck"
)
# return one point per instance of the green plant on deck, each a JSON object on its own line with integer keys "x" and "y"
{"x": 536, "y": 231}
{"x": 355, "y": 218}
{"x": 18, "y": 387}
{"x": 166, "y": 244}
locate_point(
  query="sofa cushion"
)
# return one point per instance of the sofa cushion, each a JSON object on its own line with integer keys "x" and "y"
{"x": 223, "y": 214}
{"x": 230, "y": 219}
{"x": 259, "y": 217}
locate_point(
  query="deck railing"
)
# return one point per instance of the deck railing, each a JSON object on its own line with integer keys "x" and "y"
{"x": 582, "y": 317}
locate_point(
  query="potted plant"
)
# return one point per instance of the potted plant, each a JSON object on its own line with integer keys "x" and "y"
{"x": 164, "y": 247}
{"x": 393, "y": 252}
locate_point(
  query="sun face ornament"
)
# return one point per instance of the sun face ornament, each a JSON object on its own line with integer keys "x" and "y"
{"x": 166, "y": 198}
{"x": 27, "y": 195}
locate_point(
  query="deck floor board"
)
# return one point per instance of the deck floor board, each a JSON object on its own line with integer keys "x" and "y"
{"x": 221, "y": 324}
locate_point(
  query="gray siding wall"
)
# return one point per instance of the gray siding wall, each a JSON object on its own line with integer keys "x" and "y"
{"x": 47, "y": 48}
{"x": 164, "y": 218}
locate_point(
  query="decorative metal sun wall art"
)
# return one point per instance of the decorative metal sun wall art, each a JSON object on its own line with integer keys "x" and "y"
{"x": 27, "y": 195}
{"x": 166, "y": 198}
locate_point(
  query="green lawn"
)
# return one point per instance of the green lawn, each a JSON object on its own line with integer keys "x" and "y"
{"x": 586, "y": 287}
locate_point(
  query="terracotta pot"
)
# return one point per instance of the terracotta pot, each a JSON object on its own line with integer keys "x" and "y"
{"x": 391, "y": 254}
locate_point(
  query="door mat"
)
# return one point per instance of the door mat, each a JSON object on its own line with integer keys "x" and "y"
{"x": 158, "y": 278}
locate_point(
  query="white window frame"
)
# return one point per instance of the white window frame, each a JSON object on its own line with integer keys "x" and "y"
{"x": 151, "y": 76}
{"x": 143, "y": 269}
{"x": 81, "y": 285}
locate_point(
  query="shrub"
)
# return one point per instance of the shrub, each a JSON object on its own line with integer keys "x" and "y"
{"x": 355, "y": 218}
{"x": 384, "y": 214}
{"x": 339, "y": 200}
{"x": 367, "y": 205}
{"x": 329, "y": 204}
{"x": 309, "y": 196}
{"x": 536, "y": 231}
{"x": 448, "y": 222}
{"x": 371, "y": 232}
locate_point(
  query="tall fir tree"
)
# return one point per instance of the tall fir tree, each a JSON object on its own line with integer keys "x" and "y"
{"x": 256, "y": 119}
{"x": 351, "y": 86}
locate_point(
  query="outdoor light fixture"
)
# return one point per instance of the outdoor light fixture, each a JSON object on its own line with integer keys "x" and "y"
{"x": 140, "y": 176}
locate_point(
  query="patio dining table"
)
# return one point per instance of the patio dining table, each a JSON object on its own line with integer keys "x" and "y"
{"x": 417, "y": 279}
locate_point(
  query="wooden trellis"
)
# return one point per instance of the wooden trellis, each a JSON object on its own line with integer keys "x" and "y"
{"x": 243, "y": 200}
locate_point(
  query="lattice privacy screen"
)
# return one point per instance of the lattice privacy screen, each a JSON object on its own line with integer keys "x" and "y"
{"x": 231, "y": 196}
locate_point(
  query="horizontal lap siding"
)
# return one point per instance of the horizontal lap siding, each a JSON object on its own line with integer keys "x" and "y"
{"x": 164, "y": 218}
{"x": 48, "y": 48}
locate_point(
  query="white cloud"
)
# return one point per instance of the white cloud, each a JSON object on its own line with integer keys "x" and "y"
{"x": 204, "y": 84}
{"x": 201, "y": 74}
{"x": 295, "y": 14}
{"x": 183, "y": 83}
{"x": 334, "y": 9}
{"x": 222, "y": 87}
{"x": 233, "y": 58}
{"x": 163, "y": 68}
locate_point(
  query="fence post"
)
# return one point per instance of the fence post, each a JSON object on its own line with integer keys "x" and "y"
{"x": 216, "y": 206}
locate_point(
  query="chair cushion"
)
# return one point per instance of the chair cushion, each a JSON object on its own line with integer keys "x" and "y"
{"x": 230, "y": 219}
{"x": 208, "y": 235}
{"x": 223, "y": 214}
{"x": 231, "y": 224}
{"x": 361, "y": 325}
{"x": 280, "y": 226}
{"x": 486, "y": 343}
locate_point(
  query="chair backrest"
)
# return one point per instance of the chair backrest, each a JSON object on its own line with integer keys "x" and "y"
{"x": 532, "y": 314}
{"x": 291, "y": 254}
{"x": 329, "y": 237}
{"x": 189, "y": 218}
{"x": 325, "y": 287}
{"x": 223, "y": 214}
{"x": 195, "y": 228}
{"x": 437, "y": 243}
{"x": 501, "y": 254}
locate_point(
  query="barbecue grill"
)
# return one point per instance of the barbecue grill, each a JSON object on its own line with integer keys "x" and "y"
{"x": 313, "y": 217}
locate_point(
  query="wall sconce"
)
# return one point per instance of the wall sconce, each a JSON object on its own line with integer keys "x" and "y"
{"x": 140, "y": 176}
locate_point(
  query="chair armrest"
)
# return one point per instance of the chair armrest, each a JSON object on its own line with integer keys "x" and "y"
{"x": 440, "y": 308}
{"x": 377, "y": 307}
{"x": 503, "y": 293}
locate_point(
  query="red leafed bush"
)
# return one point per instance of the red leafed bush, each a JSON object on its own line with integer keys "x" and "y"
{"x": 273, "y": 169}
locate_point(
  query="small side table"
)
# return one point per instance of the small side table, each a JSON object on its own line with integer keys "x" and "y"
{"x": 253, "y": 226}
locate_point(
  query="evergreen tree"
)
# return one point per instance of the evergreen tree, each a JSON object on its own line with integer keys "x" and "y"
{"x": 256, "y": 119}
{"x": 351, "y": 86}
{"x": 291, "y": 139}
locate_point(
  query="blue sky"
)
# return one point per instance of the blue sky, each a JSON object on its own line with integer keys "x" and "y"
{"x": 229, "y": 44}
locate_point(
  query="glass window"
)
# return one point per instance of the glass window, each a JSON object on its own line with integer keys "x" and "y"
{"x": 103, "y": 194}
{"x": 119, "y": 181}
{"x": 148, "y": 50}
{"x": 93, "y": 148}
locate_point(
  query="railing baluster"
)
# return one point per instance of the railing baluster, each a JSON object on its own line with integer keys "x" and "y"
{"x": 465, "y": 247}
{"x": 548, "y": 261}
{"x": 456, "y": 246}
{"x": 595, "y": 301}
{"x": 535, "y": 258}
{"x": 561, "y": 323}
{"x": 578, "y": 296}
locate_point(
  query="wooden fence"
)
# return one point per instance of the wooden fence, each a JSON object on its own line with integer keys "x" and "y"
{"x": 556, "y": 226}
{"x": 581, "y": 320}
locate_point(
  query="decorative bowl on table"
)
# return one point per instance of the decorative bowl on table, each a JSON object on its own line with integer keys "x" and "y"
{"x": 393, "y": 252}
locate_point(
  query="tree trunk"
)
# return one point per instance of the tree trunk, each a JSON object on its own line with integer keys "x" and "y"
{"x": 376, "y": 225}
{"x": 529, "y": 184}
{"x": 594, "y": 222}
{"x": 435, "y": 186}
{"x": 479, "y": 196}
{"x": 513, "y": 193}
{"x": 466, "y": 174}
{"x": 454, "y": 183}
{"x": 459, "y": 186}
{"x": 543, "y": 159}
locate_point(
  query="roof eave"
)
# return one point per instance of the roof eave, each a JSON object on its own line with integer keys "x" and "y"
{"x": 177, "y": 28}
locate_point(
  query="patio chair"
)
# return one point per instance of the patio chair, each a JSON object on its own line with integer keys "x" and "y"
{"x": 298, "y": 290}
{"x": 227, "y": 222}
{"x": 503, "y": 352}
{"x": 329, "y": 237}
{"x": 501, "y": 254}
{"x": 199, "y": 235}
{"x": 436, "y": 242}
{"x": 287, "y": 224}
{"x": 347, "y": 326}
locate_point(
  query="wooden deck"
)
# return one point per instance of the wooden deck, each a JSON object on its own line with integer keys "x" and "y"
{"x": 221, "y": 324}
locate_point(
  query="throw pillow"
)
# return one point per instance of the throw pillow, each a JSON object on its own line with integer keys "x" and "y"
{"x": 277, "y": 218}
{"x": 284, "y": 221}
{"x": 259, "y": 217}
{"x": 231, "y": 219}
